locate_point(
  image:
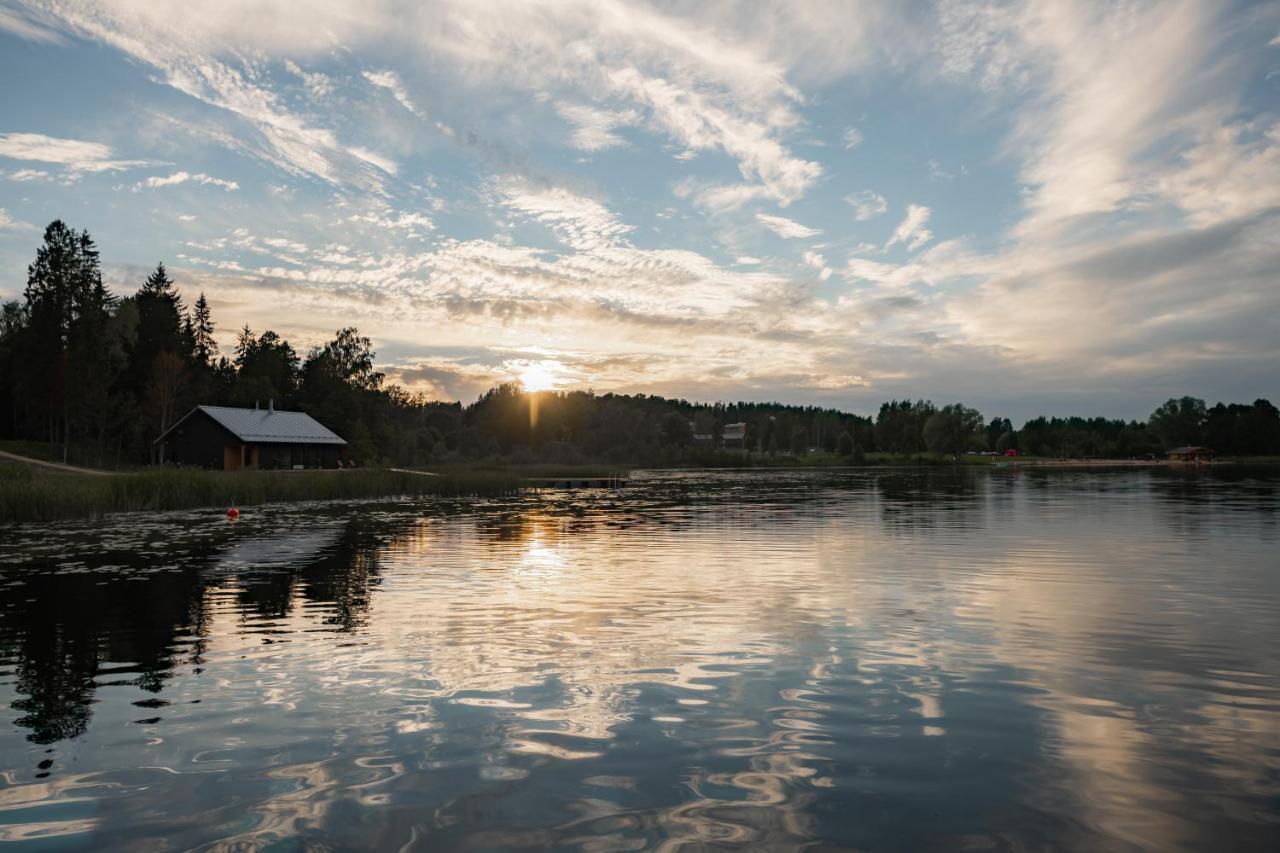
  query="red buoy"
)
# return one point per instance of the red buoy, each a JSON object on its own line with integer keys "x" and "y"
{"x": 233, "y": 513}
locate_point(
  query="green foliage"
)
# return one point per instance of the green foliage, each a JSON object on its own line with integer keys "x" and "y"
{"x": 954, "y": 429}
{"x": 1179, "y": 422}
{"x": 900, "y": 425}
{"x": 676, "y": 430}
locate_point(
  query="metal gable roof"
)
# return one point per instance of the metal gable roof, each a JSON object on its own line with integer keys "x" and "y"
{"x": 264, "y": 426}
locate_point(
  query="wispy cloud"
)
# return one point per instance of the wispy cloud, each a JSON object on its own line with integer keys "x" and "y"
{"x": 866, "y": 204}
{"x": 76, "y": 155}
{"x": 23, "y": 175}
{"x": 580, "y": 222}
{"x": 594, "y": 128}
{"x": 851, "y": 138}
{"x": 390, "y": 81}
{"x": 13, "y": 21}
{"x": 911, "y": 231}
{"x": 8, "y": 223}
{"x": 176, "y": 178}
{"x": 784, "y": 227}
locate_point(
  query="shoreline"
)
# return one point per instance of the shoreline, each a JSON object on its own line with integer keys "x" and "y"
{"x": 35, "y": 491}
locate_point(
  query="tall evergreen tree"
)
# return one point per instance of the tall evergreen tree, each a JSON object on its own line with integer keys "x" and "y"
{"x": 205, "y": 347}
{"x": 64, "y": 283}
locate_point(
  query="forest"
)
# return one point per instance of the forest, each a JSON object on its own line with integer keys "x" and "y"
{"x": 98, "y": 376}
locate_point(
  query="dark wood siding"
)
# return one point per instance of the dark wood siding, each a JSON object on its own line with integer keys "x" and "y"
{"x": 198, "y": 441}
{"x": 201, "y": 442}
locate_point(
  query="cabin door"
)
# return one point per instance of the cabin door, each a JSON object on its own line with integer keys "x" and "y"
{"x": 232, "y": 457}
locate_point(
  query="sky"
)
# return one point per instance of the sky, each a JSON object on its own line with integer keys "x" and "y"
{"x": 1032, "y": 208}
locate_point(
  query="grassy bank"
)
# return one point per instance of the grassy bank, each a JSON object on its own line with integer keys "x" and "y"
{"x": 31, "y": 494}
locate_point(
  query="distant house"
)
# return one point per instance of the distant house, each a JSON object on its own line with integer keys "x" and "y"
{"x": 734, "y": 435}
{"x": 1189, "y": 453}
{"x": 702, "y": 439}
{"x": 228, "y": 438}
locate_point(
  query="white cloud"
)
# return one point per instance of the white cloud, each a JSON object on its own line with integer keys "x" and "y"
{"x": 390, "y": 81}
{"x": 7, "y": 222}
{"x": 1105, "y": 83}
{"x": 155, "y": 182}
{"x": 373, "y": 158}
{"x": 728, "y": 197}
{"x": 319, "y": 86}
{"x": 22, "y": 175}
{"x": 866, "y": 204}
{"x": 1230, "y": 172}
{"x": 580, "y": 222}
{"x": 912, "y": 232}
{"x": 594, "y": 128}
{"x": 76, "y": 155}
{"x": 784, "y": 227}
{"x": 185, "y": 43}
{"x": 851, "y": 137}
{"x": 15, "y": 22}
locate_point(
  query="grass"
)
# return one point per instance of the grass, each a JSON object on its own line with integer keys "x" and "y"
{"x": 28, "y": 493}
{"x": 35, "y": 449}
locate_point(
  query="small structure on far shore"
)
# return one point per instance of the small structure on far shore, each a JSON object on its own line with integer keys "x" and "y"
{"x": 231, "y": 438}
{"x": 734, "y": 436}
{"x": 1190, "y": 453}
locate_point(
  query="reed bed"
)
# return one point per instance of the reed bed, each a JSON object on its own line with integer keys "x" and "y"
{"x": 30, "y": 494}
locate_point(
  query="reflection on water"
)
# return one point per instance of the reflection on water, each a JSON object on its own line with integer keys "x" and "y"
{"x": 879, "y": 660}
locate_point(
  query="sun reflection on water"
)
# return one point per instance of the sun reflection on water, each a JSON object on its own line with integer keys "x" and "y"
{"x": 717, "y": 663}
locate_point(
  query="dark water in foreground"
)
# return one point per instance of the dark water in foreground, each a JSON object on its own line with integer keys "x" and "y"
{"x": 1007, "y": 660}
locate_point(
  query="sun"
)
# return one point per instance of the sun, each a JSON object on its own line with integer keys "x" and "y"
{"x": 539, "y": 376}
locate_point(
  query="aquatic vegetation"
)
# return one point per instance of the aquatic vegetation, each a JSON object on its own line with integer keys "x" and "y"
{"x": 30, "y": 494}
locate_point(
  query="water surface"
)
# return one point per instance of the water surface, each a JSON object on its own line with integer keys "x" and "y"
{"x": 893, "y": 660}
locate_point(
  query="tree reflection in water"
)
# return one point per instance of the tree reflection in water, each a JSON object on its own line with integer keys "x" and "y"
{"x": 927, "y": 659}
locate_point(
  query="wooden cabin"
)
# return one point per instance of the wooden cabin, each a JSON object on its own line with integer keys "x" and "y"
{"x": 230, "y": 438}
{"x": 734, "y": 436}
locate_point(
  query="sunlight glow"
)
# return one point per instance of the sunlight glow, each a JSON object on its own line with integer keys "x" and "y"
{"x": 540, "y": 375}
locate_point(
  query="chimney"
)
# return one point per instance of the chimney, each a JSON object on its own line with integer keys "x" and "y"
{"x": 271, "y": 405}
{"x": 255, "y": 405}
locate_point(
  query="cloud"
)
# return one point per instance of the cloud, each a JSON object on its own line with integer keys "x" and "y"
{"x": 724, "y": 198}
{"x": 8, "y": 223}
{"x": 15, "y": 22}
{"x": 76, "y": 155}
{"x": 183, "y": 178}
{"x": 22, "y": 175}
{"x": 1105, "y": 86}
{"x": 594, "y": 128}
{"x": 187, "y": 45}
{"x": 373, "y": 158}
{"x": 912, "y": 232}
{"x": 319, "y": 86}
{"x": 390, "y": 81}
{"x": 866, "y": 204}
{"x": 851, "y": 138}
{"x": 1230, "y": 172}
{"x": 786, "y": 228}
{"x": 578, "y": 221}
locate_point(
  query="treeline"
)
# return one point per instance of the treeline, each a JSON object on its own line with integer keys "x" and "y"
{"x": 99, "y": 376}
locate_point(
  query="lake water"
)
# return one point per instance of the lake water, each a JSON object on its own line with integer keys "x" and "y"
{"x": 880, "y": 660}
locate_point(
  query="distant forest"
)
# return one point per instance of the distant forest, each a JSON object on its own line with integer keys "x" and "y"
{"x": 99, "y": 376}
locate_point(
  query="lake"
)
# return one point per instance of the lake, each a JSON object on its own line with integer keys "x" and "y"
{"x": 1005, "y": 659}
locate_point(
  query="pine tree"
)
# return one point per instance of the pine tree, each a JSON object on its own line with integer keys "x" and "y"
{"x": 202, "y": 333}
{"x": 64, "y": 283}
